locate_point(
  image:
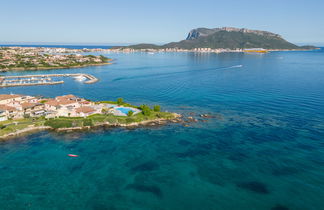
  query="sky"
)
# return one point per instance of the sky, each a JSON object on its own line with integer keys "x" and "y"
{"x": 154, "y": 21}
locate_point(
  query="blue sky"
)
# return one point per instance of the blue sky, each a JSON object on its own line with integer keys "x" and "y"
{"x": 137, "y": 21}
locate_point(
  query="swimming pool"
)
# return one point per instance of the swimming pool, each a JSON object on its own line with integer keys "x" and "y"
{"x": 124, "y": 110}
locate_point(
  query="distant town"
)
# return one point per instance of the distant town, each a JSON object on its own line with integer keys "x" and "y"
{"x": 34, "y": 58}
{"x": 197, "y": 50}
{"x": 42, "y": 58}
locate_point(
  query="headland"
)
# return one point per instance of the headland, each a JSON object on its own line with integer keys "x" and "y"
{"x": 21, "y": 114}
{"x": 40, "y": 58}
{"x": 220, "y": 40}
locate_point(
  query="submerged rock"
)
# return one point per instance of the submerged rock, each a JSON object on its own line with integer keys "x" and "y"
{"x": 146, "y": 188}
{"x": 284, "y": 171}
{"x": 254, "y": 186}
{"x": 147, "y": 166}
{"x": 209, "y": 116}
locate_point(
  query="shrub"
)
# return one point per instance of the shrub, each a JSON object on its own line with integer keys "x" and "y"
{"x": 130, "y": 113}
{"x": 157, "y": 108}
{"x": 129, "y": 120}
{"x": 58, "y": 123}
{"x": 87, "y": 122}
{"x": 120, "y": 101}
{"x": 145, "y": 109}
{"x": 103, "y": 58}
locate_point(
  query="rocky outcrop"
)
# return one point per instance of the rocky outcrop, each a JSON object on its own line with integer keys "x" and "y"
{"x": 203, "y": 32}
{"x": 227, "y": 38}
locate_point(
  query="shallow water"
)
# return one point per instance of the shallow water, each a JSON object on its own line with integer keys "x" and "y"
{"x": 262, "y": 150}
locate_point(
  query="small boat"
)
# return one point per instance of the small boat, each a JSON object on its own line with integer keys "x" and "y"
{"x": 255, "y": 50}
{"x": 72, "y": 155}
{"x": 80, "y": 78}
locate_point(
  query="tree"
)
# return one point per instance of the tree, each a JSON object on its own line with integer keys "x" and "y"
{"x": 157, "y": 108}
{"x": 120, "y": 101}
{"x": 130, "y": 113}
{"x": 146, "y": 110}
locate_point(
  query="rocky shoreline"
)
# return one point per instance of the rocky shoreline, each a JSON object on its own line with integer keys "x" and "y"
{"x": 32, "y": 129}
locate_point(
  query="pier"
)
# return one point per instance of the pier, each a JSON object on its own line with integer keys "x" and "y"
{"x": 43, "y": 79}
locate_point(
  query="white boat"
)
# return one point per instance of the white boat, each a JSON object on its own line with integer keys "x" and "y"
{"x": 80, "y": 78}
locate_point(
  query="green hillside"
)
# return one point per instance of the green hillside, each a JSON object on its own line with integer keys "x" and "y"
{"x": 227, "y": 38}
{"x": 233, "y": 40}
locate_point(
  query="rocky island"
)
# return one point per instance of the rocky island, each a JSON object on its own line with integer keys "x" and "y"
{"x": 22, "y": 114}
{"x": 39, "y": 58}
{"x": 226, "y": 39}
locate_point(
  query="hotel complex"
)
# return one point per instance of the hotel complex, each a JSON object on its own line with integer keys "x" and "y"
{"x": 14, "y": 106}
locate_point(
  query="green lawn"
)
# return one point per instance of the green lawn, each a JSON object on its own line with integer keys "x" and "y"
{"x": 11, "y": 126}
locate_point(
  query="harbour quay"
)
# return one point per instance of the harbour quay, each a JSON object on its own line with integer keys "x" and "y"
{"x": 44, "y": 79}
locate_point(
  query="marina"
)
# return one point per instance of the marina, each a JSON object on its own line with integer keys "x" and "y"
{"x": 44, "y": 79}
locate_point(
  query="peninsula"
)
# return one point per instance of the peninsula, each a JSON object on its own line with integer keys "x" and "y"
{"x": 226, "y": 39}
{"x": 22, "y": 113}
{"x": 40, "y": 58}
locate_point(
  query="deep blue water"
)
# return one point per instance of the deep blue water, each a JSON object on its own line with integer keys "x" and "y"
{"x": 263, "y": 150}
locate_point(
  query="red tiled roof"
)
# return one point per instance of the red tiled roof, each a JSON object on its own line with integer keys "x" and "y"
{"x": 65, "y": 97}
{"x": 66, "y": 102}
{"x": 28, "y": 105}
{"x": 7, "y": 108}
{"x": 85, "y": 109}
{"x": 52, "y": 102}
{"x": 8, "y": 96}
{"x": 84, "y": 102}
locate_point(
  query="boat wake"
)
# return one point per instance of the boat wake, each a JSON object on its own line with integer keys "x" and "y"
{"x": 236, "y": 66}
{"x": 178, "y": 72}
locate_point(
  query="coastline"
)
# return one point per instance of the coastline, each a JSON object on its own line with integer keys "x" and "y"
{"x": 196, "y": 50}
{"x": 33, "y": 129}
{"x": 24, "y": 131}
{"x": 54, "y": 67}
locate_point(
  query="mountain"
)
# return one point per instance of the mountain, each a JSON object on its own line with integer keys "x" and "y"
{"x": 226, "y": 37}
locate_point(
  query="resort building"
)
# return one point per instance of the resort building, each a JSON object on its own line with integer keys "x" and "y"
{"x": 9, "y": 98}
{"x": 23, "y": 106}
{"x": 85, "y": 111}
{"x": 8, "y": 112}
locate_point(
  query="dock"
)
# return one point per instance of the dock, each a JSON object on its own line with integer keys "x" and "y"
{"x": 43, "y": 79}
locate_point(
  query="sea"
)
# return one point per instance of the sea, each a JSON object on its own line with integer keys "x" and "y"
{"x": 261, "y": 145}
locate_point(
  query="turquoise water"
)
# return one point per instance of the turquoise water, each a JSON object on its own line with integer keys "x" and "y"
{"x": 263, "y": 149}
{"x": 124, "y": 110}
